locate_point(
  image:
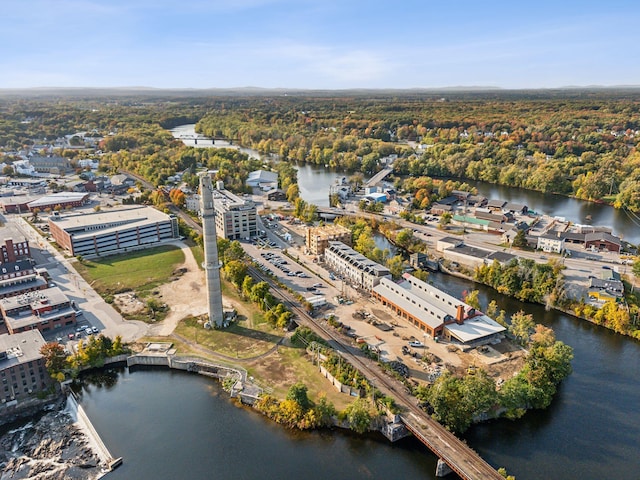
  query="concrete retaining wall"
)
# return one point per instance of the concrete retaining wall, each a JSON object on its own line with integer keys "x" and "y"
{"x": 80, "y": 416}
{"x": 342, "y": 388}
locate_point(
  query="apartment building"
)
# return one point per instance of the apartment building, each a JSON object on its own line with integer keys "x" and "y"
{"x": 354, "y": 267}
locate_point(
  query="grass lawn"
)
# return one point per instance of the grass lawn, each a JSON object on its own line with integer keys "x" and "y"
{"x": 236, "y": 341}
{"x": 198, "y": 254}
{"x": 141, "y": 270}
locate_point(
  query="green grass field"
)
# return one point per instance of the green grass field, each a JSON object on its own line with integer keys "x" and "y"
{"x": 140, "y": 271}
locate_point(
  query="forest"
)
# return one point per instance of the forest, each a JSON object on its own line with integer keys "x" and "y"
{"x": 581, "y": 143}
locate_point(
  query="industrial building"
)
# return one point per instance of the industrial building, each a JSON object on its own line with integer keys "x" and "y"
{"x": 113, "y": 232}
{"x": 354, "y": 267}
{"x": 59, "y": 200}
{"x": 263, "y": 179}
{"x": 44, "y": 310}
{"x": 22, "y": 367}
{"x": 12, "y": 251}
{"x": 437, "y": 313}
{"x": 318, "y": 238}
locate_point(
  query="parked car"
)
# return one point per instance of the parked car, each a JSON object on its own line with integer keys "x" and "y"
{"x": 94, "y": 329}
{"x": 416, "y": 344}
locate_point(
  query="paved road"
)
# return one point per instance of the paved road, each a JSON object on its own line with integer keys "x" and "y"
{"x": 96, "y": 312}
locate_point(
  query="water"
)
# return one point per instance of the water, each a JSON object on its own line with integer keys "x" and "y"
{"x": 314, "y": 182}
{"x": 187, "y": 134}
{"x": 590, "y": 431}
{"x": 170, "y": 425}
{"x": 165, "y": 423}
{"x": 624, "y": 224}
{"x": 383, "y": 243}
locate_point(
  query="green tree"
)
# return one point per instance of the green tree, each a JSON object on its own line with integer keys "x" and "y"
{"x": 471, "y": 298}
{"x": 522, "y": 326}
{"x": 298, "y": 393}
{"x": 234, "y": 252}
{"x": 55, "y": 360}
{"x": 520, "y": 240}
{"x": 492, "y": 309}
{"x": 445, "y": 219}
{"x": 236, "y": 272}
{"x": 404, "y": 238}
{"x": 396, "y": 266}
{"x": 636, "y": 268}
{"x": 247, "y": 284}
{"x": 358, "y": 415}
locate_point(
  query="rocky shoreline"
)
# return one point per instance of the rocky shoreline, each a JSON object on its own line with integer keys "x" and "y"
{"x": 51, "y": 447}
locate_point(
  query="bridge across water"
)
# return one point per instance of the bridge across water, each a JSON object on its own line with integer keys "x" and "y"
{"x": 378, "y": 177}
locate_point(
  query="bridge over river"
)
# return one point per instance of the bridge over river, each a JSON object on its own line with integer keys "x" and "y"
{"x": 450, "y": 450}
{"x": 378, "y": 177}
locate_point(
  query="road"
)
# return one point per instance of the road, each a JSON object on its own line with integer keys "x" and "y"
{"x": 460, "y": 457}
{"x": 95, "y": 311}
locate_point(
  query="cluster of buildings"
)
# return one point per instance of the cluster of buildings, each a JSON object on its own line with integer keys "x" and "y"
{"x": 29, "y": 306}
{"x": 20, "y": 195}
{"x": 506, "y": 218}
{"x": 480, "y": 213}
{"x": 436, "y": 313}
{"x": 594, "y": 241}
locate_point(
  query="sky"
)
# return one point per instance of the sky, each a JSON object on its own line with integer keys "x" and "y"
{"x": 319, "y": 44}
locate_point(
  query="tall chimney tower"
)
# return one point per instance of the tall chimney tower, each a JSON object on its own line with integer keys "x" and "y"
{"x": 211, "y": 262}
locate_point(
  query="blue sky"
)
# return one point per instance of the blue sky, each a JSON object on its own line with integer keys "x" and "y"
{"x": 318, "y": 44}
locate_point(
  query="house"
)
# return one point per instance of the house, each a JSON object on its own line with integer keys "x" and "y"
{"x": 439, "y": 209}
{"x": 516, "y": 208}
{"x": 605, "y": 289}
{"x": 550, "y": 243}
{"x": 377, "y": 197}
{"x": 496, "y": 205}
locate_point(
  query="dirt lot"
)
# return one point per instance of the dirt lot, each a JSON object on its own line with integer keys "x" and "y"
{"x": 186, "y": 296}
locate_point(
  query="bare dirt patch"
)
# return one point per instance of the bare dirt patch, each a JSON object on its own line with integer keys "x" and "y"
{"x": 185, "y": 295}
{"x": 128, "y": 303}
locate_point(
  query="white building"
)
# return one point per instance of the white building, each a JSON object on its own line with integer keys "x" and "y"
{"x": 550, "y": 243}
{"x": 354, "y": 267}
{"x": 235, "y": 217}
{"x": 263, "y": 179}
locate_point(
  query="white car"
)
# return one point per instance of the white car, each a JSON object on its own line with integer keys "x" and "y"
{"x": 416, "y": 344}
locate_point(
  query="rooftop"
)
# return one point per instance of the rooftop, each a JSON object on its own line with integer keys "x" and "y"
{"x": 60, "y": 197}
{"x": 20, "y": 348}
{"x": 89, "y": 224}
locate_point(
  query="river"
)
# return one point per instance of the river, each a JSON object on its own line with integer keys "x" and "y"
{"x": 166, "y": 423}
{"x": 314, "y": 182}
